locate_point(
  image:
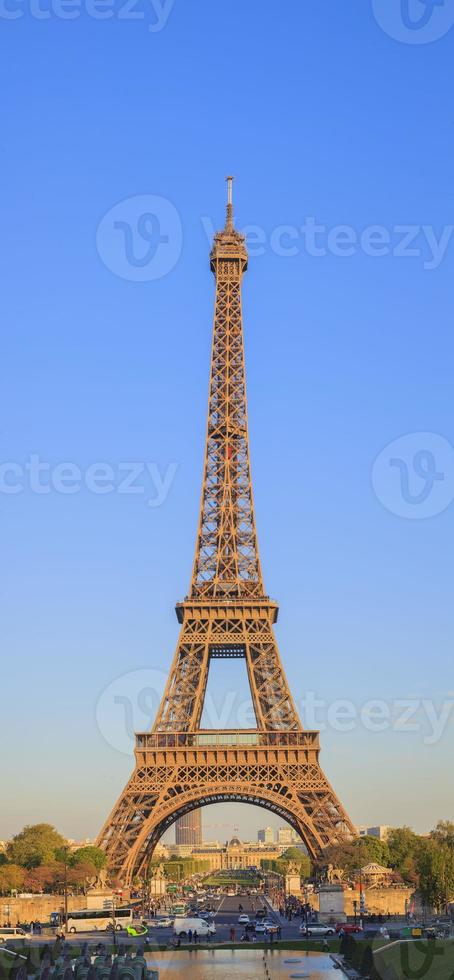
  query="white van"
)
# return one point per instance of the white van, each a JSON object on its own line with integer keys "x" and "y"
{"x": 182, "y": 925}
{"x": 8, "y": 932}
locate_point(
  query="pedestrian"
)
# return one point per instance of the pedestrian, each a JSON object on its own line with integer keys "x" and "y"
{"x": 232, "y": 934}
{"x": 190, "y": 935}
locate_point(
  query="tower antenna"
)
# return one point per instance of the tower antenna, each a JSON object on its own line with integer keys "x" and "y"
{"x": 229, "y": 215}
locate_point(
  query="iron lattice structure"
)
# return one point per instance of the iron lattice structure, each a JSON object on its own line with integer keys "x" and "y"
{"x": 180, "y": 766}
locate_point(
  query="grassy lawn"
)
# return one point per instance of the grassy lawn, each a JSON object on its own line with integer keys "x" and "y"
{"x": 417, "y": 959}
{"x": 219, "y": 881}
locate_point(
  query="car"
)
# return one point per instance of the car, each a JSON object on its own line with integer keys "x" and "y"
{"x": 8, "y": 933}
{"x": 163, "y": 923}
{"x": 348, "y": 927}
{"x": 243, "y": 919}
{"x": 268, "y": 923}
{"x": 317, "y": 929}
{"x": 259, "y": 927}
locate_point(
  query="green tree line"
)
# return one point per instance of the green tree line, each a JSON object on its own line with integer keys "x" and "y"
{"x": 38, "y": 859}
{"x": 426, "y": 863}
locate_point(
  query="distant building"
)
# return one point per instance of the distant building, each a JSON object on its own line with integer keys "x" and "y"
{"x": 74, "y": 845}
{"x": 188, "y": 829}
{"x": 233, "y": 854}
{"x": 287, "y": 836}
{"x": 236, "y": 854}
{"x": 266, "y": 836}
{"x": 380, "y": 832}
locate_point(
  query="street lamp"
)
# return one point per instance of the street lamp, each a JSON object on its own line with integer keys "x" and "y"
{"x": 114, "y": 925}
{"x": 361, "y": 896}
{"x": 65, "y": 888}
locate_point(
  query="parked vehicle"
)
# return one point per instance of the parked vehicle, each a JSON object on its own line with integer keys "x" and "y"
{"x": 8, "y": 933}
{"x": 317, "y": 929}
{"x": 259, "y": 927}
{"x": 243, "y": 919}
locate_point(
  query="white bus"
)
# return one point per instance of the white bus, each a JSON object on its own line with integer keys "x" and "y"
{"x": 87, "y": 920}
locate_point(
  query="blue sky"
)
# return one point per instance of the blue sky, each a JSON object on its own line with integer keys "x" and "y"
{"x": 328, "y": 114}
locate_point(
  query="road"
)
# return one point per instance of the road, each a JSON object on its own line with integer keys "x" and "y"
{"x": 226, "y": 918}
{"x": 227, "y": 913}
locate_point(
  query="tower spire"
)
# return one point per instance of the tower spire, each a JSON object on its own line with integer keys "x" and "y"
{"x": 229, "y": 210}
{"x": 227, "y": 561}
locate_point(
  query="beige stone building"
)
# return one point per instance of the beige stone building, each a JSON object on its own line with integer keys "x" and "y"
{"x": 235, "y": 854}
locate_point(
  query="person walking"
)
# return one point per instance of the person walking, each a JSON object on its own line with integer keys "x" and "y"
{"x": 190, "y": 935}
{"x": 196, "y": 936}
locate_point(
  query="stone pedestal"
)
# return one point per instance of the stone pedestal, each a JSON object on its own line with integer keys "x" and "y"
{"x": 157, "y": 887}
{"x": 331, "y": 903}
{"x": 293, "y": 884}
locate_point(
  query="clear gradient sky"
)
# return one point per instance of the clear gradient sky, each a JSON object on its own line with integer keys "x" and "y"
{"x": 328, "y": 113}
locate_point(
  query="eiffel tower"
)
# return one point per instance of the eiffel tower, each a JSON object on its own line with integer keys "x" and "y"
{"x": 227, "y": 614}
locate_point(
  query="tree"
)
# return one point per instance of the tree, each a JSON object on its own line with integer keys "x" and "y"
{"x": 403, "y": 844}
{"x": 349, "y": 855}
{"x": 35, "y": 845}
{"x": 435, "y": 864}
{"x": 444, "y": 833}
{"x": 41, "y": 878}
{"x": 90, "y": 855}
{"x": 11, "y": 878}
{"x": 81, "y": 872}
